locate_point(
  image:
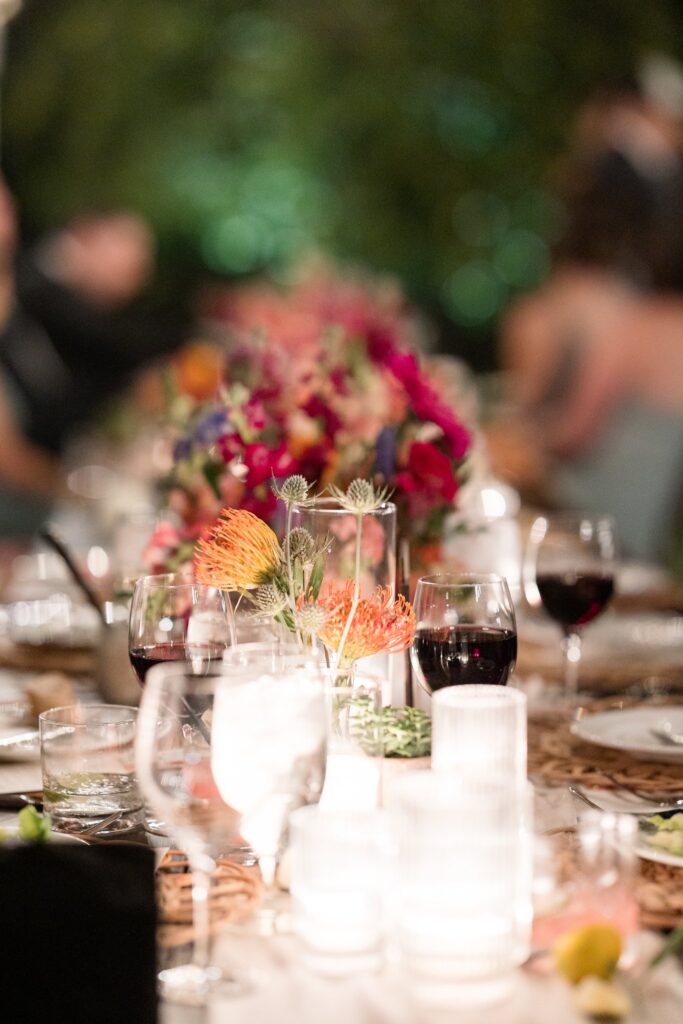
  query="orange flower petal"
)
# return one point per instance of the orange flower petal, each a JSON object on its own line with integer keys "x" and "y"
{"x": 241, "y": 551}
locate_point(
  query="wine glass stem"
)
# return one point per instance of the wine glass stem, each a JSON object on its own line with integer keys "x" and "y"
{"x": 571, "y": 649}
{"x": 201, "y": 885}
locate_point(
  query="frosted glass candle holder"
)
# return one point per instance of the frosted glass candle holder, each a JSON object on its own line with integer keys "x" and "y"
{"x": 336, "y": 886}
{"x": 479, "y": 732}
{"x": 462, "y": 911}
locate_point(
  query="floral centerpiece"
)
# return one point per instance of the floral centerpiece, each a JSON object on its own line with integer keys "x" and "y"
{"x": 287, "y": 580}
{"x": 322, "y": 380}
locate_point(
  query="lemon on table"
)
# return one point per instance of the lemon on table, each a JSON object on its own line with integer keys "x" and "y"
{"x": 592, "y": 949}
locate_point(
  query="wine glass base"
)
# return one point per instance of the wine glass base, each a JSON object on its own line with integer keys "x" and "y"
{"x": 191, "y": 985}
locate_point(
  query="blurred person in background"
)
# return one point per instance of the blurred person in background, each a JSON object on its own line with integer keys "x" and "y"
{"x": 71, "y": 337}
{"x": 595, "y": 356}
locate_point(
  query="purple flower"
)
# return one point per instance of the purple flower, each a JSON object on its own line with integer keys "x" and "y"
{"x": 385, "y": 452}
{"x": 210, "y": 427}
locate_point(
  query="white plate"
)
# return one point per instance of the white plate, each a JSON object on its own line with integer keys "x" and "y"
{"x": 60, "y": 838}
{"x": 19, "y": 744}
{"x": 630, "y": 730}
{"x": 648, "y": 852}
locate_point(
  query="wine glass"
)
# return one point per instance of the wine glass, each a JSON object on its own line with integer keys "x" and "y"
{"x": 271, "y": 717}
{"x": 174, "y": 755}
{"x": 569, "y": 569}
{"x": 466, "y": 630}
{"x": 174, "y": 618}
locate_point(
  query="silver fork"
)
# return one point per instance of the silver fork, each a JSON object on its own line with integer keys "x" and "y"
{"x": 660, "y": 799}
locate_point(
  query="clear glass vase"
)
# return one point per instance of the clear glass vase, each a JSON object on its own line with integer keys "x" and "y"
{"x": 326, "y": 518}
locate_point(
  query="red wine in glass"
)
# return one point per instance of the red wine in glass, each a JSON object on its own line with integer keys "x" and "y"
{"x": 199, "y": 659}
{"x": 571, "y": 562}
{"x": 455, "y": 655}
{"x": 466, "y": 631}
{"x": 574, "y": 598}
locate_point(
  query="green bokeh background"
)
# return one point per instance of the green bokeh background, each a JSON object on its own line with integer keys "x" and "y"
{"x": 418, "y": 138}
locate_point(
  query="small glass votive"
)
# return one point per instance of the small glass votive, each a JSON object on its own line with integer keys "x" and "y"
{"x": 353, "y": 774}
{"x": 337, "y": 873}
{"x": 88, "y": 767}
{"x": 586, "y": 875}
{"x": 462, "y": 908}
{"x": 480, "y": 731}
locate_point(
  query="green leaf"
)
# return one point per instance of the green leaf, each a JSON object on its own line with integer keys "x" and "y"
{"x": 33, "y": 826}
{"x": 316, "y": 577}
{"x": 673, "y": 943}
{"x": 213, "y": 472}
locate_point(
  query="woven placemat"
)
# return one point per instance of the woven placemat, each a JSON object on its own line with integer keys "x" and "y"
{"x": 235, "y": 891}
{"x": 47, "y": 658}
{"x": 606, "y": 676}
{"x": 559, "y": 757}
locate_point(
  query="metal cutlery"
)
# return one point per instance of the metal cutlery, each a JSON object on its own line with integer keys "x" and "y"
{"x": 100, "y": 826}
{"x": 674, "y": 739}
{"x": 662, "y": 800}
{"x": 16, "y": 801}
{"x": 584, "y": 799}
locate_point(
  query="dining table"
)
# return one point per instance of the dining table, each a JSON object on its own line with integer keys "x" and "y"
{"x": 568, "y": 772}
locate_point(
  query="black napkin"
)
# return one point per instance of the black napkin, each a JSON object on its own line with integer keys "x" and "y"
{"x": 77, "y": 934}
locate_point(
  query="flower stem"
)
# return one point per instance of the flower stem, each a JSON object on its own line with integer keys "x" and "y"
{"x": 356, "y": 596}
{"x": 290, "y": 575}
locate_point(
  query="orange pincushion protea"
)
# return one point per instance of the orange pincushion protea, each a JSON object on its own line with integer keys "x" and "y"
{"x": 241, "y": 551}
{"x": 379, "y": 624}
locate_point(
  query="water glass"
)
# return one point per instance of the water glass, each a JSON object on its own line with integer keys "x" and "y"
{"x": 88, "y": 767}
{"x": 463, "y": 886}
{"x": 337, "y": 871}
{"x": 480, "y": 732}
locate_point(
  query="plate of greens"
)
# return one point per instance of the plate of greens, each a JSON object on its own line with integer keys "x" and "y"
{"x": 32, "y": 827}
{"x": 660, "y": 838}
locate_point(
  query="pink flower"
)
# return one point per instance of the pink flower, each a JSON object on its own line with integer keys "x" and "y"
{"x": 263, "y": 462}
{"x": 428, "y": 478}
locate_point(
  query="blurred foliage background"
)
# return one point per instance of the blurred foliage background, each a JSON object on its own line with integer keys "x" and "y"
{"x": 415, "y": 138}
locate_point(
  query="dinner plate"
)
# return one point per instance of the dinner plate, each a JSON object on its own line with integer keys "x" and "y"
{"x": 653, "y": 853}
{"x": 629, "y": 730}
{"x": 19, "y": 744}
{"x": 59, "y": 838}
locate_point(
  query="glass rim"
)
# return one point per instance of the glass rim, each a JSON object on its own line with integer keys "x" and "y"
{"x": 45, "y": 716}
{"x": 180, "y": 579}
{"x": 333, "y": 506}
{"x": 480, "y": 695}
{"x": 461, "y": 579}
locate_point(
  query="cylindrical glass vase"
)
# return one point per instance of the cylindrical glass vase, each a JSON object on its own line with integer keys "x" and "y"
{"x": 325, "y": 519}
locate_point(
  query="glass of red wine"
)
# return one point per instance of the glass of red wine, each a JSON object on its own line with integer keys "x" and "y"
{"x": 570, "y": 566}
{"x": 173, "y": 618}
{"x": 466, "y": 630}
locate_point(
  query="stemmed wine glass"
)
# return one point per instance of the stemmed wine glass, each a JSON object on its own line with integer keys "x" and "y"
{"x": 271, "y": 714}
{"x": 569, "y": 568}
{"x": 466, "y": 630}
{"x": 174, "y": 618}
{"x": 175, "y": 749}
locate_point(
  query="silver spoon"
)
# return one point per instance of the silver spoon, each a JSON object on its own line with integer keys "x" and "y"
{"x": 674, "y": 739}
